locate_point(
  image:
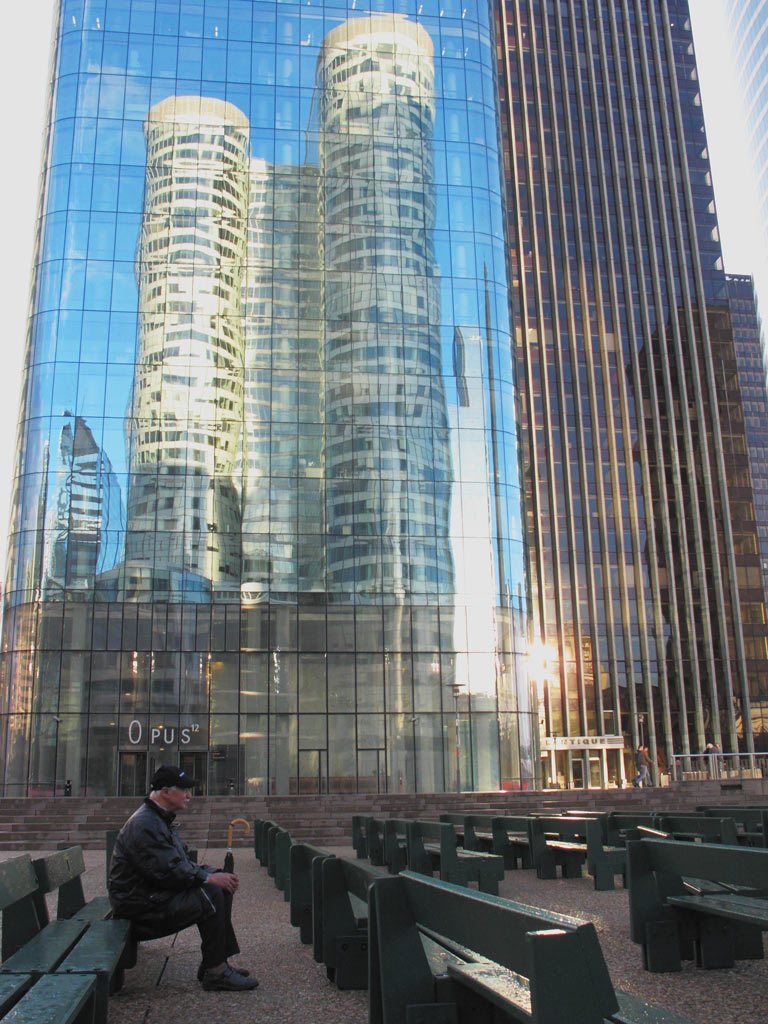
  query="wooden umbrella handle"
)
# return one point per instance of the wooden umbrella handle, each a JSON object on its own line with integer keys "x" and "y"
{"x": 237, "y": 821}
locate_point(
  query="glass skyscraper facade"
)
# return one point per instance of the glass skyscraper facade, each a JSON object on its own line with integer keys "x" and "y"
{"x": 645, "y": 575}
{"x": 267, "y": 509}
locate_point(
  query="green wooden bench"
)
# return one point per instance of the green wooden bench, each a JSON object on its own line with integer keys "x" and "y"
{"x": 304, "y": 884}
{"x": 705, "y": 902}
{"x": 511, "y": 840}
{"x": 558, "y": 842}
{"x": 52, "y": 999}
{"x": 473, "y": 831}
{"x": 61, "y": 873}
{"x": 698, "y": 828}
{"x": 278, "y": 857}
{"x": 33, "y": 946}
{"x": 619, "y": 822}
{"x": 261, "y": 829}
{"x": 395, "y": 832}
{"x": 374, "y": 840}
{"x": 444, "y": 954}
{"x": 751, "y": 822}
{"x": 360, "y": 835}
{"x": 431, "y": 845}
{"x": 343, "y": 920}
{"x": 568, "y": 842}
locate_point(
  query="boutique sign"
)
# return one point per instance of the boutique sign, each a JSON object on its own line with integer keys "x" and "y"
{"x": 582, "y": 742}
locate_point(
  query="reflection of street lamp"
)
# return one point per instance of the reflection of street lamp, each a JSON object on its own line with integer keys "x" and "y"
{"x": 456, "y": 687}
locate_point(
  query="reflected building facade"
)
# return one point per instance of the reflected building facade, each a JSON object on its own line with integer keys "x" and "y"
{"x": 645, "y": 577}
{"x": 277, "y": 233}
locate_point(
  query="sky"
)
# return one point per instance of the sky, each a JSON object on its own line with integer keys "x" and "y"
{"x": 24, "y": 59}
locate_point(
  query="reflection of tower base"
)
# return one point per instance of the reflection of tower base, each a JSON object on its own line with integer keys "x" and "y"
{"x": 183, "y": 520}
{"x": 134, "y": 581}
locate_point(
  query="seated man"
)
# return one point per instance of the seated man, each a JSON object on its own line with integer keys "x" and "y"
{"x": 154, "y": 884}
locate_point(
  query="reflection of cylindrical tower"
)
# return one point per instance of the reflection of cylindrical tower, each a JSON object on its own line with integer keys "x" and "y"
{"x": 387, "y": 456}
{"x": 185, "y": 422}
{"x": 282, "y": 448}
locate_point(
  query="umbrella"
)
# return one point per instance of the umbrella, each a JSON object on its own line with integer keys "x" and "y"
{"x": 229, "y": 860}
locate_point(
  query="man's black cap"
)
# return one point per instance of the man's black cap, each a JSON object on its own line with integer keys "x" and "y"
{"x": 166, "y": 775}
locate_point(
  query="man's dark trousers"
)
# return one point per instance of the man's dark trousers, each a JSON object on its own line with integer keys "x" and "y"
{"x": 210, "y": 908}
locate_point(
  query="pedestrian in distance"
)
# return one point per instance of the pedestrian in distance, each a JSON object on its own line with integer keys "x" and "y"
{"x": 155, "y": 884}
{"x": 643, "y": 763}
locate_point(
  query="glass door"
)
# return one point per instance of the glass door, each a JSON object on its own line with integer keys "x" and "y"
{"x": 371, "y": 773}
{"x": 133, "y": 779}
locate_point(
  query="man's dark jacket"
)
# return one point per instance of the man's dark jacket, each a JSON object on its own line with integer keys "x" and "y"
{"x": 152, "y": 881}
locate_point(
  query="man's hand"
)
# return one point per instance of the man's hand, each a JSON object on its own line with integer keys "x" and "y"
{"x": 224, "y": 880}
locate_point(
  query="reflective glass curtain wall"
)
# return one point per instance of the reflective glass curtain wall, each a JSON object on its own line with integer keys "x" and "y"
{"x": 645, "y": 578}
{"x": 267, "y": 503}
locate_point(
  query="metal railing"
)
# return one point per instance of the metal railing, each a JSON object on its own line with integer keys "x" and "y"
{"x": 696, "y": 767}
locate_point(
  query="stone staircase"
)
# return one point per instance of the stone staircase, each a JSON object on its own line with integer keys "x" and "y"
{"x": 38, "y": 823}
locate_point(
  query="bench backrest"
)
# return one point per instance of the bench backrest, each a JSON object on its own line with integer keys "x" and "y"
{"x": 434, "y": 832}
{"x": 454, "y": 819}
{"x": 18, "y": 904}
{"x": 61, "y": 871}
{"x": 403, "y": 908}
{"x": 339, "y": 879}
{"x": 374, "y": 840}
{"x": 656, "y": 869}
{"x": 751, "y": 818}
{"x": 619, "y": 821}
{"x": 395, "y": 829}
{"x": 718, "y": 830}
{"x": 360, "y": 834}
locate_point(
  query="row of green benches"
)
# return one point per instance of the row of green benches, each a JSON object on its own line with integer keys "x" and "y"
{"x": 695, "y": 914}
{"x": 59, "y": 971}
{"x": 548, "y": 844}
{"x": 432, "y": 951}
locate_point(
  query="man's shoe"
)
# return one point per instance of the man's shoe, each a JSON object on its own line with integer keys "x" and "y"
{"x": 229, "y": 980}
{"x": 237, "y": 970}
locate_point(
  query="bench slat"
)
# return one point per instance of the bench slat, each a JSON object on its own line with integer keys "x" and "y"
{"x": 46, "y": 950}
{"x": 12, "y": 988}
{"x": 56, "y": 999}
{"x": 501, "y": 987}
{"x": 736, "y": 908}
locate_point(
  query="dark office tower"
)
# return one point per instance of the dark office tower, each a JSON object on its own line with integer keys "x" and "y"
{"x": 643, "y": 563}
{"x": 271, "y": 259}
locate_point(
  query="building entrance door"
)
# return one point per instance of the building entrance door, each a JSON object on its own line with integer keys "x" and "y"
{"x": 311, "y": 771}
{"x": 371, "y": 776}
{"x": 133, "y": 779}
{"x": 196, "y": 765}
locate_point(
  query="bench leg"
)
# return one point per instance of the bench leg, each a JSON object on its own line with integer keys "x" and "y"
{"x": 488, "y": 883}
{"x": 603, "y": 876}
{"x": 546, "y": 867}
{"x": 570, "y": 866}
{"x": 715, "y": 947}
{"x": 351, "y": 961}
{"x": 305, "y": 923}
{"x": 747, "y": 942}
{"x": 661, "y": 950}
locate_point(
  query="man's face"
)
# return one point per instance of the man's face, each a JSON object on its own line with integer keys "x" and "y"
{"x": 176, "y": 797}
